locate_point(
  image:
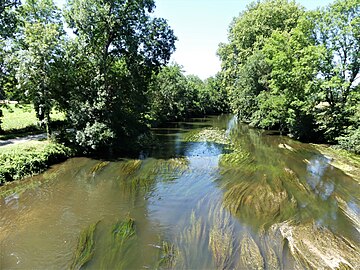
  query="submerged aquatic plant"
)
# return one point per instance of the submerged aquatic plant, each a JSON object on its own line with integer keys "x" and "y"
{"x": 258, "y": 202}
{"x": 168, "y": 256}
{"x": 122, "y": 234}
{"x": 317, "y": 247}
{"x": 207, "y": 135}
{"x": 152, "y": 170}
{"x": 123, "y": 230}
{"x": 98, "y": 167}
{"x": 193, "y": 242}
{"x": 129, "y": 167}
{"x": 85, "y": 247}
{"x": 236, "y": 158}
{"x": 221, "y": 243}
{"x": 250, "y": 255}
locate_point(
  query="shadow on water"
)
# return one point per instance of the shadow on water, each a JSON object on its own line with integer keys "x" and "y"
{"x": 215, "y": 194}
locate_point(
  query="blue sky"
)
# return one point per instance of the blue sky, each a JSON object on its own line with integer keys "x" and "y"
{"x": 200, "y": 26}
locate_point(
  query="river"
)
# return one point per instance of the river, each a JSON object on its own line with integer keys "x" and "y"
{"x": 215, "y": 194}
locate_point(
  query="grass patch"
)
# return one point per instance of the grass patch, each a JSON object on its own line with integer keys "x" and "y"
{"x": 22, "y": 118}
{"x": 85, "y": 247}
{"x": 26, "y": 159}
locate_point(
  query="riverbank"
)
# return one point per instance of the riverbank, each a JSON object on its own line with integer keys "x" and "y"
{"x": 29, "y": 158}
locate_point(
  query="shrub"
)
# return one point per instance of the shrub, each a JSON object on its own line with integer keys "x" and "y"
{"x": 26, "y": 159}
{"x": 351, "y": 141}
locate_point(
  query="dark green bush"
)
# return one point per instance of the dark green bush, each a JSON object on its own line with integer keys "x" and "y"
{"x": 351, "y": 141}
{"x": 29, "y": 160}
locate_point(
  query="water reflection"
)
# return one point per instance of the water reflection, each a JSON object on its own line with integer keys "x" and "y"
{"x": 199, "y": 204}
{"x": 321, "y": 185}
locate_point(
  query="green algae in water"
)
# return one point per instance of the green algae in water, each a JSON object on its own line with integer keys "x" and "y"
{"x": 168, "y": 256}
{"x": 250, "y": 255}
{"x": 207, "y": 135}
{"x": 123, "y": 230}
{"x": 123, "y": 234}
{"x": 154, "y": 170}
{"x": 85, "y": 247}
{"x": 98, "y": 167}
{"x": 129, "y": 167}
{"x": 317, "y": 247}
{"x": 221, "y": 243}
{"x": 259, "y": 203}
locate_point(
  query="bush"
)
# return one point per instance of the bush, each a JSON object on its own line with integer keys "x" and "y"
{"x": 26, "y": 159}
{"x": 351, "y": 141}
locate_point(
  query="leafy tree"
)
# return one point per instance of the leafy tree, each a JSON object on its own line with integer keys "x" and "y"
{"x": 8, "y": 17}
{"x": 118, "y": 46}
{"x": 39, "y": 49}
{"x": 170, "y": 95}
{"x": 293, "y": 59}
{"x": 213, "y": 97}
{"x": 338, "y": 32}
{"x": 244, "y": 70}
{"x": 8, "y": 25}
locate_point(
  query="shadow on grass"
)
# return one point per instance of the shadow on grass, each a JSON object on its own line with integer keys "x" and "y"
{"x": 30, "y": 130}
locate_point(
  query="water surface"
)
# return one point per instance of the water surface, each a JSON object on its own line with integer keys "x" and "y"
{"x": 215, "y": 194}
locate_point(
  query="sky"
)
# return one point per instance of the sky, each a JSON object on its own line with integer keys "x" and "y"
{"x": 200, "y": 25}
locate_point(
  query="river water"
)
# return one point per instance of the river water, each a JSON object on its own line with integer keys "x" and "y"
{"x": 215, "y": 194}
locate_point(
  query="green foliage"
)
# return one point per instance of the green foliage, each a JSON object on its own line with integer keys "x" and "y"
{"x": 26, "y": 159}
{"x": 351, "y": 140}
{"x": 174, "y": 96}
{"x": 23, "y": 117}
{"x": 38, "y": 51}
{"x": 85, "y": 247}
{"x": 244, "y": 71}
{"x": 7, "y": 17}
{"x": 295, "y": 71}
{"x": 170, "y": 97}
{"x": 109, "y": 64}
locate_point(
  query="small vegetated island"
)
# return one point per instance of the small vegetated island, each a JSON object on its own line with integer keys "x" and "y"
{"x": 165, "y": 170}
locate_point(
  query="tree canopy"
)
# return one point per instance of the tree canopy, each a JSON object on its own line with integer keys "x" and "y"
{"x": 294, "y": 70}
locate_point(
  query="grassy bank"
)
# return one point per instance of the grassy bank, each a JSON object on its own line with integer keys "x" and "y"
{"x": 30, "y": 158}
{"x": 20, "y": 120}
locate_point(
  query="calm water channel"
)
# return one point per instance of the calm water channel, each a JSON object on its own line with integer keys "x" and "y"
{"x": 215, "y": 194}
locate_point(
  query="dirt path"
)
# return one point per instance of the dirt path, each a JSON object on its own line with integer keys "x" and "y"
{"x": 36, "y": 137}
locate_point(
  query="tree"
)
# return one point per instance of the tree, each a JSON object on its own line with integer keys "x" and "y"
{"x": 213, "y": 96}
{"x": 293, "y": 59}
{"x": 244, "y": 70}
{"x": 338, "y": 32}
{"x": 170, "y": 96}
{"x": 8, "y": 25}
{"x": 39, "y": 49}
{"x": 118, "y": 46}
